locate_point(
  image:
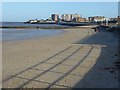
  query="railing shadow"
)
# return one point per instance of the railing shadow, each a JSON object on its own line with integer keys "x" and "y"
{"x": 103, "y": 74}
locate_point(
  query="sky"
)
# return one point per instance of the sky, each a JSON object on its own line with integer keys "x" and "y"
{"x": 23, "y": 11}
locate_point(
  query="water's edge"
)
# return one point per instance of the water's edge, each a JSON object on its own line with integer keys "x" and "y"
{"x": 23, "y": 34}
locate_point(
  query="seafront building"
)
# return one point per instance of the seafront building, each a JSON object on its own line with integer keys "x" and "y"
{"x": 75, "y": 16}
{"x": 55, "y": 17}
{"x": 97, "y": 19}
{"x": 66, "y": 17}
{"x": 33, "y": 21}
{"x": 72, "y": 18}
{"x": 113, "y": 19}
{"x": 80, "y": 19}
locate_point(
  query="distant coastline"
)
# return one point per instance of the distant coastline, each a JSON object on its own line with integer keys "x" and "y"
{"x": 20, "y": 25}
{"x": 33, "y": 27}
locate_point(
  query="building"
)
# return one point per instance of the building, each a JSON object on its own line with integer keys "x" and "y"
{"x": 55, "y": 17}
{"x": 66, "y": 17}
{"x": 114, "y": 19}
{"x": 97, "y": 19}
{"x": 91, "y": 19}
{"x": 75, "y": 16}
{"x": 80, "y": 19}
{"x": 32, "y": 21}
{"x": 69, "y": 17}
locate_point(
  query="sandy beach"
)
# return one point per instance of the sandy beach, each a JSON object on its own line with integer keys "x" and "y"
{"x": 77, "y": 58}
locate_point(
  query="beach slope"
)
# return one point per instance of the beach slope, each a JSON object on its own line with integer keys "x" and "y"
{"x": 76, "y": 58}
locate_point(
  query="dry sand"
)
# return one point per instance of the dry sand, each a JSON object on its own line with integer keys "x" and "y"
{"x": 75, "y": 58}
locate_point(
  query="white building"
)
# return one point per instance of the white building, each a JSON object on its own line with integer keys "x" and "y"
{"x": 69, "y": 17}
{"x": 33, "y": 21}
{"x": 66, "y": 17}
{"x": 97, "y": 19}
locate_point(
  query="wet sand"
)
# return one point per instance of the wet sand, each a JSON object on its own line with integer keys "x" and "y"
{"x": 64, "y": 60}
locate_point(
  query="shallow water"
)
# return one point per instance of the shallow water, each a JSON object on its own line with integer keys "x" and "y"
{"x": 21, "y": 24}
{"x": 21, "y": 34}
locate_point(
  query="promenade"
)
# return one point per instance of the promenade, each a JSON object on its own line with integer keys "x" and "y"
{"x": 77, "y": 58}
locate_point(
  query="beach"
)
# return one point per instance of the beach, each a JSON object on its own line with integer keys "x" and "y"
{"x": 77, "y": 58}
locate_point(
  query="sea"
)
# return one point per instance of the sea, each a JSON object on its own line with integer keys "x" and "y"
{"x": 27, "y": 24}
{"x": 12, "y": 34}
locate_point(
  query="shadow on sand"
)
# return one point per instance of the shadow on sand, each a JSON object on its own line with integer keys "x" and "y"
{"x": 103, "y": 74}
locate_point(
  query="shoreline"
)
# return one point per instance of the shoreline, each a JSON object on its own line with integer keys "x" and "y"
{"x": 37, "y": 37}
{"x": 46, "y": 36}
{"x": 27, "y": 34}
{"x": 46, "y": 27}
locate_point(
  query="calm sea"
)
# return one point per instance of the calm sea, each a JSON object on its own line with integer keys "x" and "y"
{"x": 23, "y": 24}
{"x": 21, "y": 34}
